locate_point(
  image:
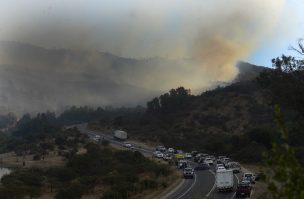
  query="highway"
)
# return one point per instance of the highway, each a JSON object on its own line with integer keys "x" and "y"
{"x": 203, "y": 184}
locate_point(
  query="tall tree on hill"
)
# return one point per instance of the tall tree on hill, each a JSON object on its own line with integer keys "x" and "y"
{"x": 169, "y": 102}
{"x": 285, "y": 83}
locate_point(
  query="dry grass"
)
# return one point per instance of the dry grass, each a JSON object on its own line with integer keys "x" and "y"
{"x": 172, "y": 181}
{"x": 12, "y": 160}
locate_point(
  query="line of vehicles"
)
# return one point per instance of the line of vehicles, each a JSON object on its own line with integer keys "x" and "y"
{"x": 224, "y": 168}
{"x": 193, "y": 162}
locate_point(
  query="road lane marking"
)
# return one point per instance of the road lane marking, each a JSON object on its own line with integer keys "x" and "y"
{"x": 174, "y": 190}
{"x": 188, "y": 188}
{"x": 214, "y": 185}
{"x": 237, "y": 178}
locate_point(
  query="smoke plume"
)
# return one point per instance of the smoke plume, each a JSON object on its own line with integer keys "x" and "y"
{"x": 171, "y": 43}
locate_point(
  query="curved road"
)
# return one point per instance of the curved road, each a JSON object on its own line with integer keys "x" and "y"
{"x": 203, "y": 184}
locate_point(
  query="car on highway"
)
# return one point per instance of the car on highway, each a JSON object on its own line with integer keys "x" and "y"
{"x": 202, "y": 166}
{"x": 247, "y": 181}
{"x": 234, "y": 166}
{"x": 167, "y": 157}
{"x": 158, "y": 154}
{"x": 127, "y": 145}
{"x": 208, "y": 161}
{"x": 188, "y": 172}
{"x": 201, "y": 160}
{"x": 212, "y": 157}
{"x": 160, "y": 148}
{"x": 243, "y": 190}
{"x": 221, "y": 157}
{"x": 218, "y": 165}
{"x": 170, "y": 150}
{"x": 249, "y": 176}
{"x": 178, "y": 151}
{"x": 194, "y": 153}
{"x": 197, "y": 157}
{"x": 220, "y": 168}
{"x": 226, "y": 161}
{"x": 204, "y": 155}
{"x": 182, "y": 164}
{"x": 188, "y": 155}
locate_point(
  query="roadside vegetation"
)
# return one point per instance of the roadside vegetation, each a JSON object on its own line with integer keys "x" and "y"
{"x": 110, "y": 173}
{"x": 87, "y": 168}
{"x": 239, "y": 119}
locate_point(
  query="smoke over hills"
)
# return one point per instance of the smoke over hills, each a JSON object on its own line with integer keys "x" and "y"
{"x": 199, "y": 42}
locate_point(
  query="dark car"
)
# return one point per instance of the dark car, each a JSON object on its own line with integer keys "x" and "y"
{"x": 194, "y": 153}
{"x": 243, "y": 190}
{"x": 197, "y": 157}
{"x": 202, "y": 166}
{"x": 188, "y": 172}
{"x": 182, "y": 164}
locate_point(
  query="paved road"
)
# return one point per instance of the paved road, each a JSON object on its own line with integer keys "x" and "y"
{"x": 201, "y": 186}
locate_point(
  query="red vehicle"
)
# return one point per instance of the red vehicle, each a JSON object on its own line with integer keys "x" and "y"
{"x": 243, "y": 190}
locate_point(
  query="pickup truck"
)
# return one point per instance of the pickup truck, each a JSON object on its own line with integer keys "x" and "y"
{"x": 249, "y": 176}
{"x": 243, "y": 190}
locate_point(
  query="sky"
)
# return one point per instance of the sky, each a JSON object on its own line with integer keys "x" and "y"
{"x": 288, "y": 30}
{"x": 171, "y": 43}
{"x": 148, "y": 27}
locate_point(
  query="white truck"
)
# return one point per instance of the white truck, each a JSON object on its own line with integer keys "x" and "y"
{"x": 224, "y": 180}
{"x": 120, "y": 135}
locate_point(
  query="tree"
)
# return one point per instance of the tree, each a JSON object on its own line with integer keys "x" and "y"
{"x": 153, "y": 106}
{"x": 75, "y": 191}
{"x": 169, "y": 102}
{"x": 286, "y": 179}
{"x": 287, "y": 79}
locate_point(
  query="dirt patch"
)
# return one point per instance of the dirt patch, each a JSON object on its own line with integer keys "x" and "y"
{"x": 11, "y": 160}
{"x": 260, "y": 191}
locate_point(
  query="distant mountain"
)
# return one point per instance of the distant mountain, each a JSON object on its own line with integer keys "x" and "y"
{"x": 248, "y": 71}
{"x": 36, "y": 79}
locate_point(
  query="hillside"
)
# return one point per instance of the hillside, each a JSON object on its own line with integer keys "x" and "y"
{"x": 35, "y": 79}
{"x": 237, "y": 119}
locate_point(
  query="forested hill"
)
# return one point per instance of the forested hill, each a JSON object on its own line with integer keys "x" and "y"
{"x": 237, "y": 119}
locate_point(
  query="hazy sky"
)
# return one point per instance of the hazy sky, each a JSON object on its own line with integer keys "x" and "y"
{"x": 202, "y": 40}
{"x": 143, "y": 28}
{"x": 289, "y": 29}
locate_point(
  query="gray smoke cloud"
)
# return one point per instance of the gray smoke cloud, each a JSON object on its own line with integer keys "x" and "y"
{"x": 199, "y": 42}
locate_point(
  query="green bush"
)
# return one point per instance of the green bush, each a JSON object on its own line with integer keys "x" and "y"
{"x": 61, "y": 174}
{"x": 105, "y": 143}
{"x": 37, "y": 157}
{"x": 74, "y": 191}
{"x": 148, "y": 184}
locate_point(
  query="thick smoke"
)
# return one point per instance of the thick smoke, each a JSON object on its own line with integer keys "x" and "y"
{"x": 199, "y": 42}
